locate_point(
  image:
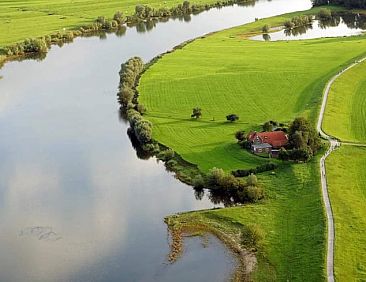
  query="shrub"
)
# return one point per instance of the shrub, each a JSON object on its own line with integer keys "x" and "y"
{"x": 240, "y": 135}
{"x": 143, "y": 131}
{"x": 252, "y": 236}
{"x": 118, "y": 17}
{"x": 325, "y": 14}
{"x": 196, "y": 113}
{"x": 166, "y": 155}
{"x": 265, "y": 28}
{"x": 198, "y": 182}
{"x": 252, "y": 180}
{"x": 289, "y": 24}
{"x": 232, "y": 117}
{"x": 259, "y": 169}
{"x": 171, "y": 164}
{"x": 152, "y": 147}
{"x": 141, "y": 109}
{"x": 254, "y": 193}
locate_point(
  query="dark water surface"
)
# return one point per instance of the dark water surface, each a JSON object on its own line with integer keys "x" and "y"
{"x": 76, "y": 204}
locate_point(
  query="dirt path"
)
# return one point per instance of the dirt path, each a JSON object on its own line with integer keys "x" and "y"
{"x": 334, "y": 144}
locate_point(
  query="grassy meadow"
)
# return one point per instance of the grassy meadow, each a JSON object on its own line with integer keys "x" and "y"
{"x": 345, "y": 115}
{"x": 227, "y": 73}
{"x": 347, "y": 189}
{"x": 292, "y": 220}
{"x": 21, "y": 19}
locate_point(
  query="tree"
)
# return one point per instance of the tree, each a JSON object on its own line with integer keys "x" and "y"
{"x": 232, "y": 117}
{"x": 240, "y": 135}
{"x": 266, "y": 28}
{"x": 118, "y": 16}
{"x": 196, "y": 113}
{"x": 267, "y": 126}
{"x": 141, "y": 109}
{"x": 252, "y": 180}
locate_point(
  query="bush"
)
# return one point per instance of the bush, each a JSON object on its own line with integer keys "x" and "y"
{"x": 171, "y": 164}
{"x": 252, "y": 236}
{"x": 198, "y": 182}
{"x": 265, "y": 28}
{"x": 141, "y": 109}
{"x": 232, "y": 117}
{"x": 240, "y": 135}
{"x": 325, "y": 14}
{"x": 143, "y": 131}
{"x": 254, "y": 193}
{"x": 166, "y": 155}
{"x": 258, "y": 169}
{"x": 196, "y": 113}
{"x": 252, "y": 180}
{"x": 289, "y": 24}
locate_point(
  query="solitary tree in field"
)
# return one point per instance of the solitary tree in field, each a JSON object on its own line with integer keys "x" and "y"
{"x": 232, "y": 117}
{"x": 196, "y": 113}
{"x": 265, "y": 28}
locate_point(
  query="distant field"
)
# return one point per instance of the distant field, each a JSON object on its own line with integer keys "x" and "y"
{"x": 293, "y": 222}
{"x": 347, "y": 188}
{"x": 345, "y": 115}
{"x": 226, "y": 73}
{"x": 21, "y": 19}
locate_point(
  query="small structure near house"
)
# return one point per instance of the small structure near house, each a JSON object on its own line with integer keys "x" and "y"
{"x": 267, "y": 143}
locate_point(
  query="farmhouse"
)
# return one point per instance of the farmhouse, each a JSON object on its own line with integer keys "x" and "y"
{"x": 267, "y": 142}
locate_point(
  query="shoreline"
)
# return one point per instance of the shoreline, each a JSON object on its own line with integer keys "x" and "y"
{"x": 91, "y": 29}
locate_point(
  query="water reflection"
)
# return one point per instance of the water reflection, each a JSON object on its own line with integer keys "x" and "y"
{"x": 67, "y": 165}
{"x": 341, "y": 24}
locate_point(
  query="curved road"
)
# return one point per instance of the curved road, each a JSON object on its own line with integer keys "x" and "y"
{"x": 334, "y": 144}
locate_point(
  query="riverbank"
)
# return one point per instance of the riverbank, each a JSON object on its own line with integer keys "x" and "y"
{"x": 144, "y": 17}
{"x": 56, "y": 16}
{"x": 290, "y": 223}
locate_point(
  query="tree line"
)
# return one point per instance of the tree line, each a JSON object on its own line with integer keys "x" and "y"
{"x": 143, "y": 13}
{"x": 345, "y": 3}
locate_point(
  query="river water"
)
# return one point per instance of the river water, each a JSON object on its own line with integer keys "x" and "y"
{"x": 76, "y": 204}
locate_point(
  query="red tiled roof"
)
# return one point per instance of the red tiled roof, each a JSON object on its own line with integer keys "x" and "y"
{"x": 277, "y": 139}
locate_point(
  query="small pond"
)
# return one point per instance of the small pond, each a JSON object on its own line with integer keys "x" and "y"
{"x": 337, "y": 26}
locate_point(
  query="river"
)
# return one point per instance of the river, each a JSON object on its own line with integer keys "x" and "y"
{"x": 76, "y": 204}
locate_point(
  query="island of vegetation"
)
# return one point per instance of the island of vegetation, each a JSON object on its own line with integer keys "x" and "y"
{"x": 187, "y": 107}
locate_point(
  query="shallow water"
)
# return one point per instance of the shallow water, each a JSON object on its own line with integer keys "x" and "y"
{"x": 318, "y": 29}
{"x": 76, "y": 204}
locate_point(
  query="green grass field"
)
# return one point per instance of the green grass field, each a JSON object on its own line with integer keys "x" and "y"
{"x": 347, "y": 189}
{"x": 226, "y": 73}
{"x": 292, "y": 219}
{"x": 345, "y": 115}
{"x": 21, "y": 19}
